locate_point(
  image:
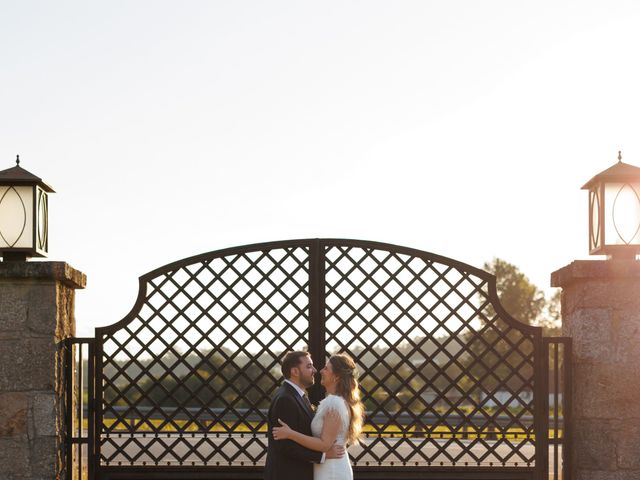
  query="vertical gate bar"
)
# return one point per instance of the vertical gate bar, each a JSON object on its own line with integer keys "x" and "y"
{"x": 567, "y": 405}
{"x": 68, "y": 369}
{"x": 91, "y": 412}
{"x": 80, "y": 350}
{"x": 556, "y": 418}
{"x": 316, "y": 311}
{"x": 541, "y": 409}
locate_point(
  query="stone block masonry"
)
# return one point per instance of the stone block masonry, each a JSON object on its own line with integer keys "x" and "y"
{"x": 36, "y": 314}
{"x": 601, "y": 312}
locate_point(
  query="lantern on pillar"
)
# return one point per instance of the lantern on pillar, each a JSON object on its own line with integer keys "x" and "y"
{"x": 24, "y": 208}
{"x": 614, "y": 211}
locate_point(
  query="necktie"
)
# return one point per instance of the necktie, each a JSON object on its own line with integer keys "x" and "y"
{"x": 307, "y": 402}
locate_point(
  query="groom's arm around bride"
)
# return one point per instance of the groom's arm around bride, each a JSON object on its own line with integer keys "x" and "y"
{"x": 286, "y": 460}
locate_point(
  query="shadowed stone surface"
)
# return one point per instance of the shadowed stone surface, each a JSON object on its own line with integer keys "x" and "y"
{"x": 628, "y": 444}
{"x": 601, "y": 312}
{"x": 595, "y": 445}
{"x": 604, "y": 475}
{"x": 599, "y": 296}
{"x": 13, "y": 414}
{"x": 44, "y": 458}
{"x": 591, "y": 332}
{"x": 609, "y": 394}
{"x": 44, "y": 415}
{"x": 39, "y": 318}
{"x": 626, "y": 327}
{"x": 57, "y": 271}
{"x": 14, "y": 458}
{"x": 27, "y": 364}
{"x": 13, "y": 314}
{"x": 36, "y": 313}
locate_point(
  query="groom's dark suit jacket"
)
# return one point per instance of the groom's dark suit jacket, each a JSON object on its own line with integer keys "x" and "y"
{"x": 286, "y": 460}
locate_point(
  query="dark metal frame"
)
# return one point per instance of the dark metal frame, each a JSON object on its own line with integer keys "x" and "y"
{"x": 596, "y": 232}
{"x": 338, "y": 276}
{"x": 76, "y": 411}
{"x": 41, "y": 202}
{"x": 559, "y": 350}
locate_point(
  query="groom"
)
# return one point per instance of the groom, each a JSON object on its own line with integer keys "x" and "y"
{"x": 286, "y": 460}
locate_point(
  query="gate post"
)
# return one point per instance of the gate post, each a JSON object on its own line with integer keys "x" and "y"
{"x": 601, "y": 312}
{"x": 36, "y": 314}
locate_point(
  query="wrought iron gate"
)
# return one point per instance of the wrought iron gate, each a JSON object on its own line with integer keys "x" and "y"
{"x": 453, "y": 386}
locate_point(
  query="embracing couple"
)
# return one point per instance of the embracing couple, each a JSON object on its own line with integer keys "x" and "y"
{"x": 308, "y": 446}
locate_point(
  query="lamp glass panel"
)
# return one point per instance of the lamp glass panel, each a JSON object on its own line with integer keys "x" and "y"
{"x": 622, "y": 214}
{"x": 16, "y": 217}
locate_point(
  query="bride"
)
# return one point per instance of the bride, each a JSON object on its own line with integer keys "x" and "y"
{"x": 337, "y": 420}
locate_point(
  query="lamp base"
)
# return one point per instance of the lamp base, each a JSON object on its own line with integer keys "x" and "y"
{"x": 14, "y": 257}
{"x": 622, "y": 255}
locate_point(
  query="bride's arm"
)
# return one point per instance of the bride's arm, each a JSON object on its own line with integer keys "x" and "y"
{"x": 330, "y": 428}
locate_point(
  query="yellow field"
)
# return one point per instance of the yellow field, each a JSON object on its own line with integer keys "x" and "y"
{"x": 136, "y": 426}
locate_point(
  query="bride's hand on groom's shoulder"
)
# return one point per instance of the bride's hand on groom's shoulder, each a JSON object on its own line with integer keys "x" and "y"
{"x": 282, "y": 432}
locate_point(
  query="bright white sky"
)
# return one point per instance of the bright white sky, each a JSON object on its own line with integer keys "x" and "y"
{"x": 169, "y": 129}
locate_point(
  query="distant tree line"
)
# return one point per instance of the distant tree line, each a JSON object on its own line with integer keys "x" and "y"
{"x": 409, "y": 377}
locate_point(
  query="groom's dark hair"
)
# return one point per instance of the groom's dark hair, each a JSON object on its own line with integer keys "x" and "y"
{"x": 291, "y": 360}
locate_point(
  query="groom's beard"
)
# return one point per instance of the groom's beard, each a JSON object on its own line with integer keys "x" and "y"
{"x": 307, "y": 382}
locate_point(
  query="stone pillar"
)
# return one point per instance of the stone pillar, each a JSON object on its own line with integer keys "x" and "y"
{"x": 36, "y": 313}
{"x": 601, "y": 312}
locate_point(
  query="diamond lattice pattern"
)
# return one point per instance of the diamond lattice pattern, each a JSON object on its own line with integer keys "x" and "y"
{"x": 187, "y": 381}
{"x": 445, "y": 380}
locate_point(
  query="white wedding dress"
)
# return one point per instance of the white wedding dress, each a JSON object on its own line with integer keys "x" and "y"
{"x": 335, "y": 468}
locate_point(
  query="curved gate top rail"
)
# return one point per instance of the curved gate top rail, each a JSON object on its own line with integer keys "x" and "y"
{"x": 451, "y": 383}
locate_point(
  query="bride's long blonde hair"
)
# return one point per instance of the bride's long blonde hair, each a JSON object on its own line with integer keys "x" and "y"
{"x": 344, "y": 368}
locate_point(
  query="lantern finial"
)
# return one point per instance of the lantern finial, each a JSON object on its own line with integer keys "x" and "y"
{"x": 619, "y": 155}
{"x": 17, "y": 159}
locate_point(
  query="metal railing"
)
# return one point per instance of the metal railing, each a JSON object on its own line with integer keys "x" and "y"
{"x": 80, "y": 411}
{"x": 79, "y": 408}
{"x": 558, "y": 364}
